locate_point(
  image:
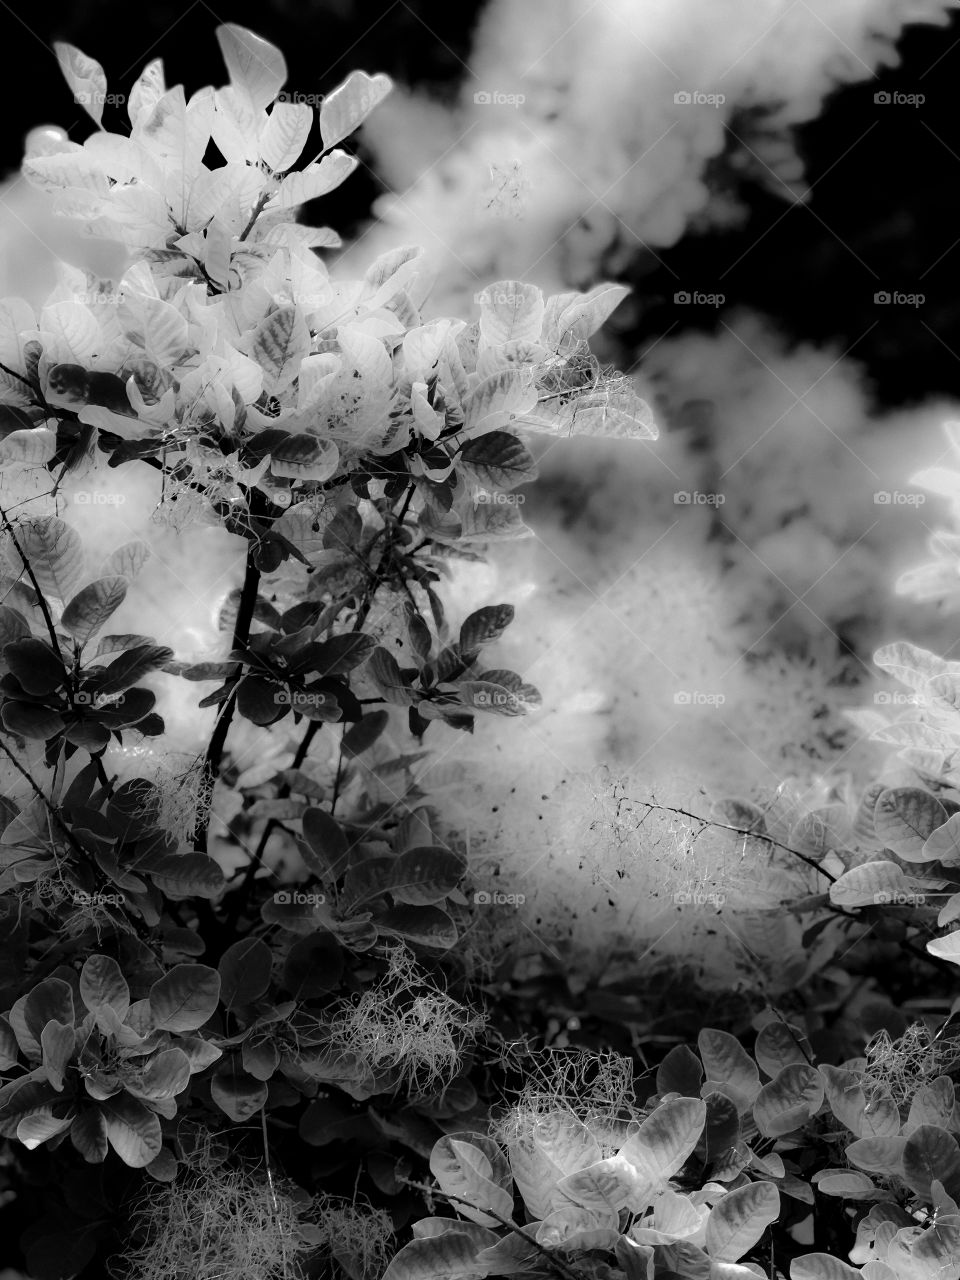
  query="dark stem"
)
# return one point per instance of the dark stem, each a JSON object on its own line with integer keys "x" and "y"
{"x": 241, "y": 634}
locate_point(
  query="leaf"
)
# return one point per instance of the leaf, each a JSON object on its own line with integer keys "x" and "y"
{"x": 870, "y": 884}
{"x": 451, "y": 1256}
{"x": 665, "y": 1139}
{"x": 583, "y": 314}
{"x": 31, "y": 447}
{"x": 680, "y": 1072}
{"x": 254, "y": 65}
{"x": 426, "y": 875}
{"x": 165, "y": 1076}
{"x": 130, "y": 666}
{"x": 35, "y": 665}
{"x": 285, "y": 134}
{"x": 779, "y": 1044}
{"x": 788, "y": 1101}
{"x": 427, "y": 925}
{"x": 822, "y": 1266}
{"x": 361, "y": 736}
{"x": 346, "y": 108}
{"x": 30, "y": 721}
{"x": 497, "y": 399}
{"x": 304, "y": 457}
{"x": 245, "y": 969}
{"x": 947, "y": 948}
{"x": 314, "y": 181}
{"x": 845, "y": 1095}
{"x": 102, "y": 983}
{"x": 50, "y": 1000}
{"x": 727, "y": 1063}
{"x": 127, "y": 561}
{"x": 237, "y": 1093}
{"x": 85, "y": 78}
{"x": 740, "y": 1219}
{"x": 878, "y": 1155}
{"x": 58, "y": 1044}
{"x": 510, "y": 311}
{"x": 343, "y": 653}
{"x": 483, "y": 626}
{"x": 55, "y": 553}
{"x": 314, "y": 966}
{"x": 500, "y": 460}
{"x": 606, "y": 1185}
{"x": 905, "y": 817}
{"x": 327, "y": 846}
{"x": 943, "y": 844}
{"x": 931, "y": 1153}
{"x": 35, "y": 1129}
{"x": 384, "y": 671}
{"x": 92, "y": 606}
{"x": 133, "y": 1130}
{"x": 474, "y": 1169}
{"x": 556, "y": 1145}
{"x": 185, "y": 998}
{"x": 88, "y": 1133}
{"x": 278, "y": 345}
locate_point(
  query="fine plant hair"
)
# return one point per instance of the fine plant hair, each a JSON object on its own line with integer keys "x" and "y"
{"x": 405, "y": 1025}
{"x": 905, "y": 1063}
{"x": 595, "y": 1087}
{"x": 217, "y": 1221}
{"x": 351, "y": 1237}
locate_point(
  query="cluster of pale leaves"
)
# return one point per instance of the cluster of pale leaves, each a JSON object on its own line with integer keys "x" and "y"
{"x": 226, "y": 322}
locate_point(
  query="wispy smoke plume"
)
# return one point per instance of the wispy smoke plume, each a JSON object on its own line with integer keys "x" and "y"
{"x": 584, "y": 133}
